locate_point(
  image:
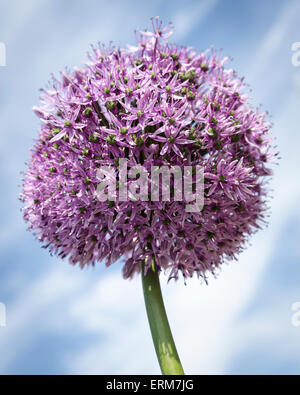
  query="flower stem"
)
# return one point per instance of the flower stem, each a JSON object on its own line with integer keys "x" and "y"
{"x": 161, "y": 333}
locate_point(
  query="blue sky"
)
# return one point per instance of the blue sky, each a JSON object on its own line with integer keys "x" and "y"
{"x": 63, "y": 320}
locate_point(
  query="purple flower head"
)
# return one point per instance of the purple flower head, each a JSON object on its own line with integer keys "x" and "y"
{"x": 153, "y": 104}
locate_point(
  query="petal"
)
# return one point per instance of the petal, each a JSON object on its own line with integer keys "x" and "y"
{"x": 164, "y": 149}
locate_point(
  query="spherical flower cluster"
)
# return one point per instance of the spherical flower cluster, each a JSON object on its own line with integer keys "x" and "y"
{"x": 153, "y": 104}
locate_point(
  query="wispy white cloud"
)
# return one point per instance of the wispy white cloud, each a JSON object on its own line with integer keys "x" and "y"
{"x": 18, "y": 14}
{"x": 26, "y": 316}
{"x": 189, "y": 15}
{"x": 274, "y": 44}
{"x": 112, "y": 312}
{"x": 270, "y": 331}
{"x": 202, "y": 318}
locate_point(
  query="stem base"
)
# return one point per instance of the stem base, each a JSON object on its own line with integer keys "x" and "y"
{"x": 160, "y": 329}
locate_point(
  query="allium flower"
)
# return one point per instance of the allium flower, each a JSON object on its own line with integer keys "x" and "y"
{"x": 154, "y": 104}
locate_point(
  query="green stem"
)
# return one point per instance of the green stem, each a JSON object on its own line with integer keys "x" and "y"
{"x": 160, "y": 329}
